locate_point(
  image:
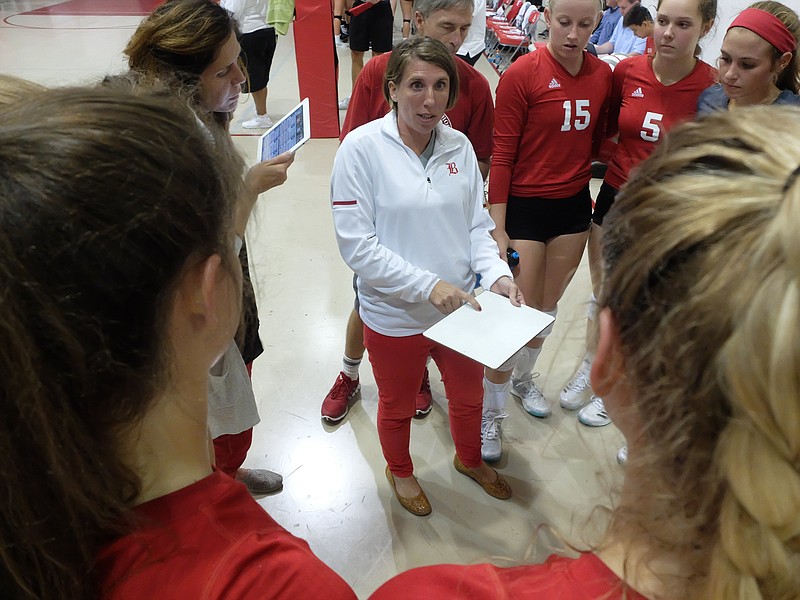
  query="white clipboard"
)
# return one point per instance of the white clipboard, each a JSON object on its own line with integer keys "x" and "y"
{"x": 491, "y": 335}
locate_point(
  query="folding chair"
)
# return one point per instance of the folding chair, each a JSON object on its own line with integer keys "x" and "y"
{"x": 501, "y": 22}
{"x": 513, "y": 44}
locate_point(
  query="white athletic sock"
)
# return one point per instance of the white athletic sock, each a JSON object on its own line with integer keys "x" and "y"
{"x": 527, "y": 360}
{"x": 494, "y": 395}
{"x": 350, "y": 366}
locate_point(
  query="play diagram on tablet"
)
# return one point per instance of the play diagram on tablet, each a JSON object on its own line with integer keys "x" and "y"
{"x": 287, "y": 135}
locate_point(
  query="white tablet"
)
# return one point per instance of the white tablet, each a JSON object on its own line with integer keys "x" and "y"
{"x": 493, "y": 334}
{"x": 287, "y": 135}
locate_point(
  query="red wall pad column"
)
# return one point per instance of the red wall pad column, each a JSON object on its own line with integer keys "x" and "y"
{"x": 313, "y": 47}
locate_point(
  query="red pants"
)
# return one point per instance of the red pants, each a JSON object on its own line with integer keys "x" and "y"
{"x": 231, "y": 450}
{"x": 398, "y": 364}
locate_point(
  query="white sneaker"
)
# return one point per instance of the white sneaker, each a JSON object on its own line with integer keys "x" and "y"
{"x": 622, "y": 455}
{"x": 339, "y": 43}
{"x": 344, "y": 103}
{"x": 533, "y": 401}
{"x": 258, "y": 122}
{"x": 573, "y": 396}
{"x": 491, "y": 435}
{"x": 594, "y": 414}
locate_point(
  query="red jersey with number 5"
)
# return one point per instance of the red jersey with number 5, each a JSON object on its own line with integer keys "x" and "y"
{"x": 546, "y": 122}
{"x": 643, "y": 109}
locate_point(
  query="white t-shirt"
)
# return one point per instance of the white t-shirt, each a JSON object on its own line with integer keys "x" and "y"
{"x": 231, "y": 403}
{"x": 251, "y": 14}
{"x": 475, "y": 41}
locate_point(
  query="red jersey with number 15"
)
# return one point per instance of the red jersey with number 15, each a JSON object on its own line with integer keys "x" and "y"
{"x": 545, "y": 123}
{"x": 643, "y": 109}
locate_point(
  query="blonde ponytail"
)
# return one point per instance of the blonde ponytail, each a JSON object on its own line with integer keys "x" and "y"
{"x": 758, "y": 553}
{"x": 702, "y": 274}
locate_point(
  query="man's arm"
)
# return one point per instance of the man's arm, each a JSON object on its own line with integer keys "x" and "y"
{"x": 606, "y": 48}
{"x": 484, "y": 165}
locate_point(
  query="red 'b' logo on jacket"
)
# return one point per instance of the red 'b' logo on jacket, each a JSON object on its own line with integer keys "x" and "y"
{"x": 453, "y": 168}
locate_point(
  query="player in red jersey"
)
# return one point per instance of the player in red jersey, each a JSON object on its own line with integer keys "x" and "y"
{"x": 650, "y": 95}
{"x": 550, "y": 110}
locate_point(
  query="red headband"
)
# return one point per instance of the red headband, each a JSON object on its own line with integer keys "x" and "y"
{"x": 768, "y": 26}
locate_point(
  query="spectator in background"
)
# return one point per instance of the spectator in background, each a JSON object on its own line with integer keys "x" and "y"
{"x": 371, "y": 29}
{"x": 407, "y": 9}
{"x": 608, "y": 22}
{"x": 640, "y": 21}
{"x": 258, "y": 48}
{"x": 475, "y": 42}
{"x": 622, "y": 41}
{"x": 258, "y": 43}
{"x": 341, "y": 33}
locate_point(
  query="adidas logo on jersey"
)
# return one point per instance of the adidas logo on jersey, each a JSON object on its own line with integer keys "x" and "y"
{"x": 554, "y": 84}
{"x": 637, "y": 93}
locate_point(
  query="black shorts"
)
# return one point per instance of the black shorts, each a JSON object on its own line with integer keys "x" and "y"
{"x": 542, "y": 219}
{"x": 258, "y": 49}
{"x": 605, "y": 199}
{"x": 372, "y": 27}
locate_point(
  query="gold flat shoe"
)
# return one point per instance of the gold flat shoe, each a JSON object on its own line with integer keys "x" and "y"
{"x": 497, "y": 489}
{"x": 418, "y": 505}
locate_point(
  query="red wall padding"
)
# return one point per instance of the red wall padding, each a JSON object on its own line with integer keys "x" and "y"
{"x": 316, "y": 73}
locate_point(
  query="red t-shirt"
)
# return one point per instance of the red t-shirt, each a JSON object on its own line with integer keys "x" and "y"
{"x": 643, "y": 109}
{"x": 473, "y": 114}
{"x": 559, "y": 578}
{"x": 546, "y": 122}
{"x": 212, "y": 540}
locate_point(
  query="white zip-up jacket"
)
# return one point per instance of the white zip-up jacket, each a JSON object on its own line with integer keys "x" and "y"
{"x": 403, "y": 227}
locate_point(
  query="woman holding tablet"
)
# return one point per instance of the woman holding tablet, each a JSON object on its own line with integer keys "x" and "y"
{"x": 192, "y": 45}
{"x": 416, "y": 235}
{"x": 702, "y": 239}
{"x": 758, "y": 61}
{"x": 121, "y": 288}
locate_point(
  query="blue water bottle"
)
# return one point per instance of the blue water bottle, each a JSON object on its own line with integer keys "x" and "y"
{"x": 512, "y": 256}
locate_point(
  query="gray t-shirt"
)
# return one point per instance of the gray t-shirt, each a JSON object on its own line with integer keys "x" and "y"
{"x": 713, "y": 98}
